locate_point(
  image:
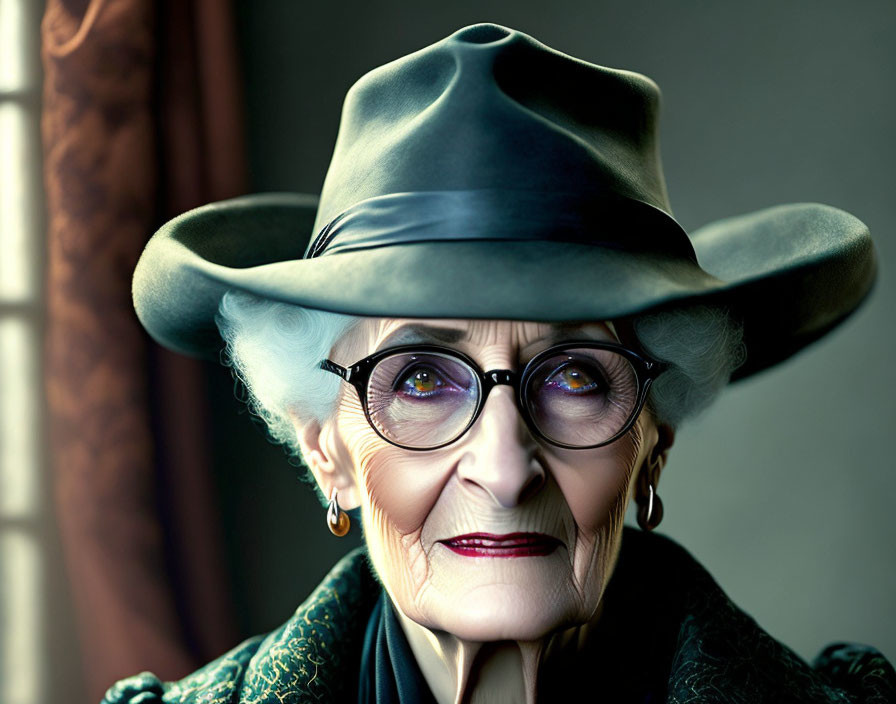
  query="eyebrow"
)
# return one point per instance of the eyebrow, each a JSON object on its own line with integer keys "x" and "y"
{"x": 422, "y": 333}
{"x": 566, "y": 332}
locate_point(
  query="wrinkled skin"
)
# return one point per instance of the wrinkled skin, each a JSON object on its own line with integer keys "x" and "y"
{"x": 497, "y": 478}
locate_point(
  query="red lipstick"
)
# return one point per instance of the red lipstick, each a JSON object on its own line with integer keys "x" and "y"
{"x": 509, "y": 545}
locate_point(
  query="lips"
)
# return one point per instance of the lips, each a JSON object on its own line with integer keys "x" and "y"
{"x": 510, "y": 545}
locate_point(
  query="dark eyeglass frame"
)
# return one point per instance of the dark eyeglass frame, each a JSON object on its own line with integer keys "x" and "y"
{"x": 358, "y": 375}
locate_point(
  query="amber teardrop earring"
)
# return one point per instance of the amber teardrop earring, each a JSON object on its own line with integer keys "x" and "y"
{"x": 337, "y": 520}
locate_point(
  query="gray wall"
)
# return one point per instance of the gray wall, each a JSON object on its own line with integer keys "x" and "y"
{"x": 784, "y": 488}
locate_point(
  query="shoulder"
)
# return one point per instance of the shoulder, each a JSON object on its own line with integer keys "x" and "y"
{"x": 858, "y": 669}
{"x": 307, "y": 657}
{"x": 718, "y": 653}
{"x": 215, "y": 683}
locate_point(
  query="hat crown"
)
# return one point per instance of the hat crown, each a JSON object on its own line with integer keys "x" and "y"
{"x": 488, "y": 176}
{"x": 490, "y": 107}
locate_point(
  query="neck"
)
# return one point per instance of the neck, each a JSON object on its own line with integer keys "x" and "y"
{"x": 469, "y": 672}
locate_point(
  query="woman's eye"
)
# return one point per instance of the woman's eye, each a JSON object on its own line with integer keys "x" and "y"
{"x": 573, "y": 379}
{"x": 421, "y": 382}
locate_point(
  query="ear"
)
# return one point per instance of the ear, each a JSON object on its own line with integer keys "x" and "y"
{"x": 328, "y": 459}
{"x": 656, "y": 460}
{"x": 660, "y": 452}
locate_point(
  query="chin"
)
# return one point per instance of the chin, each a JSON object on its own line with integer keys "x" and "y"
{"x": 492, "y": 599}
{"x": 503, "y": 611}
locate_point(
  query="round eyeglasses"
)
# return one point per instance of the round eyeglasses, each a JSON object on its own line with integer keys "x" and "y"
{"x": 576, "y": 395}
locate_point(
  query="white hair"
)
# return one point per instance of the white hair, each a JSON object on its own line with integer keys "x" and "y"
{"x": 275, "y": 348}
{"x": 703, "y": 345}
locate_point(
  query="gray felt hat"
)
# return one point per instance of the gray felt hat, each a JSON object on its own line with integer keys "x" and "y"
{"x": 490, "y": 176}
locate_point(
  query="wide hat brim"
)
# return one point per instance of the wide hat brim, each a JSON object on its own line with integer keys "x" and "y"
{"x": 791, "y": 273}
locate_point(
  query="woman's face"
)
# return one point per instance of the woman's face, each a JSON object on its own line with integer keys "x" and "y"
{"x": 497, "y": 479}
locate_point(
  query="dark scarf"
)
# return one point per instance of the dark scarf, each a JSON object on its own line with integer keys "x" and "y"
{"x": 669, "y": 633}
{"x": 389, "y": 672}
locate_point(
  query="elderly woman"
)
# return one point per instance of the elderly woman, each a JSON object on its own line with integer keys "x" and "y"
{"x": 483, "y": 335}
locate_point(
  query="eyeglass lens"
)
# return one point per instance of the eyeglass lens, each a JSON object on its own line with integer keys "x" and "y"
{"x": 577, "y": 397}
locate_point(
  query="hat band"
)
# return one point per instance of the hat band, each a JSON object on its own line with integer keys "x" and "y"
{"x": 606, "y": 220}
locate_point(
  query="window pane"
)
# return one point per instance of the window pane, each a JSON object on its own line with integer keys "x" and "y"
{"x": 17, "y": 279}
{"x": 14, "y": 46}
{"x": 20, "y": 626}
{"x": 19, "y": 469}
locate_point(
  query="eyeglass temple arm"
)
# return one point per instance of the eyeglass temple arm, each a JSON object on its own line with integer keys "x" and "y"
{"x": 329, "y": 366}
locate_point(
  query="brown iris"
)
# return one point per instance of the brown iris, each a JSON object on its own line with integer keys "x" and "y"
{"x": 424, "y": 382}
{"x": 574, "y": 378}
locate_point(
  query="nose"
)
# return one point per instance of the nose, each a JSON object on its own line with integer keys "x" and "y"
{"x": 500, "y": 455}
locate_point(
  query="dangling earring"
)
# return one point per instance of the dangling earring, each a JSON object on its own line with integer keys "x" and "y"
{"x": 337, "y": 520}
{"x": 650, "y": 512}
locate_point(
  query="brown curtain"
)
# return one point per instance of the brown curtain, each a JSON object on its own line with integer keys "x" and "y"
{"x": 141, "y": 120}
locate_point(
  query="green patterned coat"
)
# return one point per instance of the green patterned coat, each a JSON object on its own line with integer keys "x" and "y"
{"x": 669, "y": 616}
